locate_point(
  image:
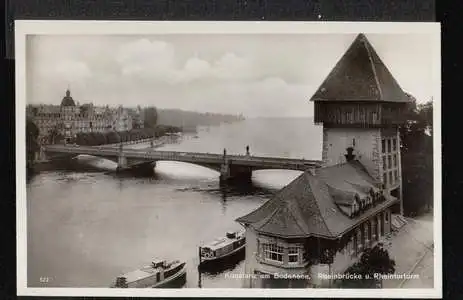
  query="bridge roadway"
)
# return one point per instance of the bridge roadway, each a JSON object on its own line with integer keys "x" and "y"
{"x": 207, "y": 159}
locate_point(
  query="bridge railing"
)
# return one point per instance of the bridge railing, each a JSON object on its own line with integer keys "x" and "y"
{"x": 185, "y": 156}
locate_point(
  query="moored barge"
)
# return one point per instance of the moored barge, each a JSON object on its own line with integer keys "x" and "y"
{"x": 231, "y": 245}
{"x": 158, "y": 274}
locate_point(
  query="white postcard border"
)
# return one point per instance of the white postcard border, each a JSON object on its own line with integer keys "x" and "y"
{"x": 38, "y": 27}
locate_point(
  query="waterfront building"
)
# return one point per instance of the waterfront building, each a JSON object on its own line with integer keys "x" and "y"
{"x": 46, "y": 118}
{"x": 321, "y": 222}
{"x": 69, "y": 118}
{"x": 122, "y": 120}
{"x": 138, "y": 118}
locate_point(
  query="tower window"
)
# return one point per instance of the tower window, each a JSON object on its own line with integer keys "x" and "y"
{"x": 389, "y": 158}
{"x": 396, "y": 175}
{"x": 390, "y": 177}
{"x": 394, "y": 144}
{"x": 395, "y": 160}
{"x": 383, "y": 146}
{"x": 384, "y": 163}
{"x": 385, "y": 178}
{"x": 389, "y": 146}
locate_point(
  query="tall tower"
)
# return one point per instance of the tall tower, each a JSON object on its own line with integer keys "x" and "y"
{"x": 361, "y": 106}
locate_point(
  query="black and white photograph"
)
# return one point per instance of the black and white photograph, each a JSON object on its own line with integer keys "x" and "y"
{"x": 211, "y": 158}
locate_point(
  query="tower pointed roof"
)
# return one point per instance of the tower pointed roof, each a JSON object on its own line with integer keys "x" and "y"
{"x": 360, "y": 75}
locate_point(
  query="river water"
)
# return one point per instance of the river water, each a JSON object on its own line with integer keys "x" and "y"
{"x": 85, "y": 228}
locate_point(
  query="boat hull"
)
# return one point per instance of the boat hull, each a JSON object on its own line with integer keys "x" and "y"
{"x": 223, "y": 262}
{"x": 175, "y": 281}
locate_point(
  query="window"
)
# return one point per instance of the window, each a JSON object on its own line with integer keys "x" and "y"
{"x": 383, "y": 146}
{"x": 394, "y": 144}
{"x": 390, "y": 177}
{"x": 380, "y": 224}
{"x": 374, "y": 229}
{"x": 396, "y": 175}
{"x": 293, "y": 254}
{"x": 395, "y": 160}
{"x": 386, "y": 217}
{"x": 366, "y": 233}
{"x": 273, "y": 252}
{"x": 359, "y": 240}
{"x": 349, "y": 116}
{"x": 384, "y": 163}
{"x": 389, "y": 158}
{"x": 352, "y": 246}
{"x": 389, "y": 146}
{"x": 385, "y": 178}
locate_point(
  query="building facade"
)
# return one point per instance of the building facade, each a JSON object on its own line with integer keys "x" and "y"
{"x": 361, "y": 105}
{"x": 68, "y": 119}
{"x": 122, "y": 120}
{"x": 320, "y": 223}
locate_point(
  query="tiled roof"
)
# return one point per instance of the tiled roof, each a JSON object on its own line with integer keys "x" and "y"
{"x": 313, "y": 205}
{"x": 360, "y": 75}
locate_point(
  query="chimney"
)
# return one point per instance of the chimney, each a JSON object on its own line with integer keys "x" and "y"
{"x": 349, "y": 156}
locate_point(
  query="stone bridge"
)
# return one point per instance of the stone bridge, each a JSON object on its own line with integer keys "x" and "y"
{"x": 230, "y": 166}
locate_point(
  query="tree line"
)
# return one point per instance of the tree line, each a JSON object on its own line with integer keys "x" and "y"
{"x": 113, "y": 137}
{"x": 32, "y": 145}
{"x": 417, "y": 158}
{"x": 191, "y": 119}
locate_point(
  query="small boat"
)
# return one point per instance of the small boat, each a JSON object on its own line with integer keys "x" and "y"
{"x": 232, "y": 244}
{"x": 158, "y": 274}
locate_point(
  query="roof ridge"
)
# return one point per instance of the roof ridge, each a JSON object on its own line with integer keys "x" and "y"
{"x": 316, "y": 200}
{"x": 373, "y": 67}
{"x": 293, "y": 216}
{"x": 269, "y": 217}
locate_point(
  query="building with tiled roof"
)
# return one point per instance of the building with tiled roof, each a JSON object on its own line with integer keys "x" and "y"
{"x": 322, "y": 221}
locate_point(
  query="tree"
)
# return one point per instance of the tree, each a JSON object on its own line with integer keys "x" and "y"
{"x": 417, "y": 158}
{"x": 54, "y": 136}
{"x": 112, "y": 137}
{"x": 150, "y": 117}
{"x": 374, "y": 260}
{"x": 32, "y": 146}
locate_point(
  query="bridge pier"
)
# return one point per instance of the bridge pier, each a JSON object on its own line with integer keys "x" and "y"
{"x": 235, "y": 173}
{"x": 121, "y": 162}
{"x": 135, "y": 168}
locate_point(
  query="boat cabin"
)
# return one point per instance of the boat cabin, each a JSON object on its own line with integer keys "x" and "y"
{"x": 223, "y": 246}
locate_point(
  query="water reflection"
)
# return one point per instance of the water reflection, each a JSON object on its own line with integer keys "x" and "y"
{"x": 105, "y": 223}
{"x": 217, "y": 270}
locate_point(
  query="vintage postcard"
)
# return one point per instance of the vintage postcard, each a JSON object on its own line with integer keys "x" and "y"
{"x": 284, "y": 159}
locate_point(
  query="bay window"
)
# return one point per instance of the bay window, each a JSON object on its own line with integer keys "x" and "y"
{"x": 272, "y": 252}
{"x": 293, "y": 254}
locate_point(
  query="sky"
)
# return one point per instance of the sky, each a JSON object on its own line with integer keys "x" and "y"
{"x": 265, "y": 75}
